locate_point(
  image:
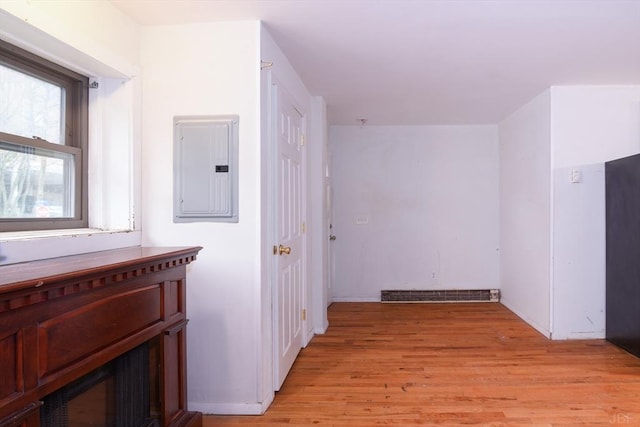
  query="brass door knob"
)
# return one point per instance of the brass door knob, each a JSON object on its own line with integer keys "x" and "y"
{"x": 284, "y": 250}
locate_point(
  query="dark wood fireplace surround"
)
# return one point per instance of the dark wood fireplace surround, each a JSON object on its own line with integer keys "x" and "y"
{"x": 62, "y": 318}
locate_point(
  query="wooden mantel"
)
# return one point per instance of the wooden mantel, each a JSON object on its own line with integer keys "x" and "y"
{"x": 62, "y": 318}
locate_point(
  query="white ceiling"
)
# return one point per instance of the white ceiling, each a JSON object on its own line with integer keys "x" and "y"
{"x": 412, "y": 62}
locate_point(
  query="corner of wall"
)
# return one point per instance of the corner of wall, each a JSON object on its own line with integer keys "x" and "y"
{"x": 525, "y": 211}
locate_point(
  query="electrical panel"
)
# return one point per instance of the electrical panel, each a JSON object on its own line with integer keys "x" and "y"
{"x": 205, "y": 168}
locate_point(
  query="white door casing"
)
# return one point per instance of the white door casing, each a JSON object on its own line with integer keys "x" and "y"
{"x": 331, "y": 238}
{"x": 288, "y": 298}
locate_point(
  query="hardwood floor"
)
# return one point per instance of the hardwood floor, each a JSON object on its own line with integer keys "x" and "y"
{"x": 449, "y": 364}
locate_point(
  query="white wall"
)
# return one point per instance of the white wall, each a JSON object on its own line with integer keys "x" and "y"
{"x": 552, "y": 229}
{"x": 414, "y": 208}
{"x": 115, "y": 153}
{"x": 594, "y": 124}
{"x": 214, "y": 68}
{"x": 65, "y": 31}
{"x": 200, "y": 69}
{"x": 589, "y": 126}
{"x": 107, "y": 53}
{"x": 579, "y": 250}
{"x": 525, "y": 212}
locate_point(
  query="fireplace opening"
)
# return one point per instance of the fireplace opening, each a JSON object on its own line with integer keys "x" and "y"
{"x": 121, "y": 393}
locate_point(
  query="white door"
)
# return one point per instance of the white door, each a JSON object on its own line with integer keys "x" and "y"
{"x": 289, "y": 247}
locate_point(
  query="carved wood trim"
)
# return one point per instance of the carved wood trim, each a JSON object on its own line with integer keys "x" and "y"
{"x": 18, "y": 287}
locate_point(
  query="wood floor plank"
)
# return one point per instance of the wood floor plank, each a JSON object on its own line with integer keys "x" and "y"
{"x": 449, "y": 364}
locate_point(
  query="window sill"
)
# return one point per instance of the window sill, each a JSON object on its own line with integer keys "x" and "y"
{"x": 25, "y": 246}
{"x": 44, "y": 234}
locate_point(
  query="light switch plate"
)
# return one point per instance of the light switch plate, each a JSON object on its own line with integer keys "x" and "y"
{"x": 576, "y": 176}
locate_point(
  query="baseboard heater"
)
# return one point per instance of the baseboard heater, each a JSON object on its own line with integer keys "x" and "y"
{"x": 449, "y": 295}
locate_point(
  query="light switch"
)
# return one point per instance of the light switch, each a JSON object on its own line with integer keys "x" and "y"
{"x": 576, "y": 176}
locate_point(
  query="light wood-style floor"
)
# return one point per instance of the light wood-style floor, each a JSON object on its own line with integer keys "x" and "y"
{"x": 449, "y": 364}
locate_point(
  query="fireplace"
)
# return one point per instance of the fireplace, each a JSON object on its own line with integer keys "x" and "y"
{"x": 123, "y": 392}
{"x": 96, "y": 340}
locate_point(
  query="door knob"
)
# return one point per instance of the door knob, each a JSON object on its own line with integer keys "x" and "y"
{"x": 284, "y": 250}
{"x": 332, "y": 237}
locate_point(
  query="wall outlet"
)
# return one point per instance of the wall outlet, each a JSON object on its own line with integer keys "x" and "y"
{"x": 362, "y": 219}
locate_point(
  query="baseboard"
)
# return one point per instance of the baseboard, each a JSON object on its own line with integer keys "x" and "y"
{"x": 321, "y": 330}
{"x": 592, "y": 335}
{"x": 543, "y": 331}
{"x": 230, "y": 408}
{"x": 308, "y": 337}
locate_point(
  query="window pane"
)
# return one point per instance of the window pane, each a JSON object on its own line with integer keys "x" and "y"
{"x": 35, "y": 183}
{"x": 30, "y": 106}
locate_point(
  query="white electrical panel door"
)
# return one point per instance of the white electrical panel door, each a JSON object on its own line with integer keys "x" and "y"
{"x": 206, "y": 168}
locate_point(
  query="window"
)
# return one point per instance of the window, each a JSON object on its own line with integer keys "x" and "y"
{"x": 43, "y": 143}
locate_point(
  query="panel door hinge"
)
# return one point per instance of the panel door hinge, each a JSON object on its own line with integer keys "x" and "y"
{"x": 304, "y": 314}
{"x": 303, "y": 227}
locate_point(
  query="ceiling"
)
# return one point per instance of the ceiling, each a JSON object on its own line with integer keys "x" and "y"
{"x": 430, "y": 62}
